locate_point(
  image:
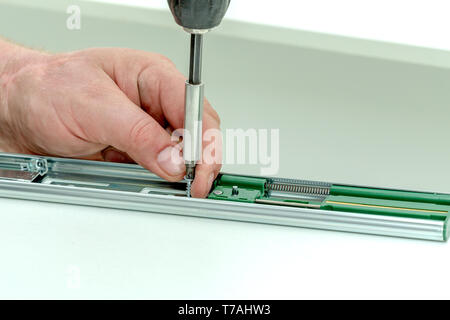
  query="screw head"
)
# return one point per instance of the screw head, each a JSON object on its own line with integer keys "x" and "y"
{"x": 218, "y": 192}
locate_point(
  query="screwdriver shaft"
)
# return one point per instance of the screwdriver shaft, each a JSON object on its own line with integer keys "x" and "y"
{"x": 194, "y": 109}
{"x": 195, "y": 64}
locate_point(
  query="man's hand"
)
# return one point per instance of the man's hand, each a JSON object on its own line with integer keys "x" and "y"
{"x": 100, "y": 104}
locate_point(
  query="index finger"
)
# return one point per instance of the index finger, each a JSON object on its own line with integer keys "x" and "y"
{"x": 209, "y": 167}
{"x": 162, "y": 94}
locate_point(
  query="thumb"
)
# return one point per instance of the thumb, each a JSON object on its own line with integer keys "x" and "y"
{"x": 113, "y": 119}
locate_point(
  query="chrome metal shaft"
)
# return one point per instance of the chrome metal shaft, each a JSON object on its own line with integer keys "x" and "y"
{"x": 193, "y": 114}
{"x": 195, "y": 63}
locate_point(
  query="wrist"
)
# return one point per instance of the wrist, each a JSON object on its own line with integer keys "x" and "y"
{"x": 13, "y": 58}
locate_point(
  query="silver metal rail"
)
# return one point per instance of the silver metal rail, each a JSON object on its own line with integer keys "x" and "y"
{"x": 157, "y": 196}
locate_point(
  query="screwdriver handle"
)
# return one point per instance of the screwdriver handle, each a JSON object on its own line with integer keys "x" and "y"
{"x": 198, "y": 14}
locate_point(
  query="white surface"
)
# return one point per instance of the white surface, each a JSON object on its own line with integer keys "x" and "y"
{"x": 422, "y": 23}
{"x": 343, "y": 117}
{"x": 354, "y": 29}
{"x": 119, "y": 254}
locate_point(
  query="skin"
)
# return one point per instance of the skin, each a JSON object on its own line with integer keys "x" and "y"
{"x": 99, "y": 104}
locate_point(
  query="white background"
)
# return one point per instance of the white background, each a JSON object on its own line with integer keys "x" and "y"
{"x": 344, "y": 118}
{"x": 415, "y": 22}
{"x": 96, "y": 253}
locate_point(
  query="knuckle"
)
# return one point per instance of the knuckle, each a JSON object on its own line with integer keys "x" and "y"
{"x": 67, "y": 62}
{"x": 164, "y": 60}
{"x": 61, "y": 68}
{"x": 214, "y": 115}
{"x": 141, "y": 133}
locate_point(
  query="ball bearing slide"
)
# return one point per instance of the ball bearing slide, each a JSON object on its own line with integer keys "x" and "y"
{"x": 288, "y": 202}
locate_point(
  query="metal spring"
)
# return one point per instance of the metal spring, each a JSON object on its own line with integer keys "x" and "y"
{"x": 299, "y": 188}
{"x": 300, "y": 182}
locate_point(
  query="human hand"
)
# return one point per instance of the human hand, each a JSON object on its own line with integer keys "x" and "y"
{"x": 100, "y": 104}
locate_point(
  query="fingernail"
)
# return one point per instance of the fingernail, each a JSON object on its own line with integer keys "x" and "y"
{"x": 171, "y": 162}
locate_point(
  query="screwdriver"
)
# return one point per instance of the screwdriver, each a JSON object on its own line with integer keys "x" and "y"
{"x": 197, "y": 17}
{"x": 193, "y": 112}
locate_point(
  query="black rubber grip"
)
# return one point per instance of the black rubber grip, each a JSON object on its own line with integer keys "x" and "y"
{"x": 198, "y": 14}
